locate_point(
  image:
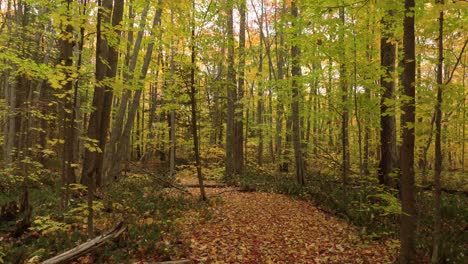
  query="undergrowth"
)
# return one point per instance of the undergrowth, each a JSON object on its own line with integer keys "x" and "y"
{"x": 148, "y": 210}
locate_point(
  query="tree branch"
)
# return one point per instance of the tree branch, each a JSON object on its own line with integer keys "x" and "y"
{"x": 458, "y": 62}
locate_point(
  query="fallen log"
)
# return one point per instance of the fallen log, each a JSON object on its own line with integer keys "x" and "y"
{"x": 88, "y": 246}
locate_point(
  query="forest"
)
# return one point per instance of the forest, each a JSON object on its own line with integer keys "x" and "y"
{"x": 233, "y": 131}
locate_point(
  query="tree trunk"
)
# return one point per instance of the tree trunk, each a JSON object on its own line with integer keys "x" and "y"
{"x": 66, "y": 60}
{"x": 112, "y": 156}
{"x": 357, "y": 113}
{"x": 193, "y": 101}
{"x": 280, "y": 105}
{"x": 238, "y": 153}
{"x": 260, "y": 104}
{"x": 387, "y": 110}
{"x": 172, "y": 114}
{"x": 122, "y": 140}
{"x": 102, "y": 102}
{"x": 435, "y": 258}
{"x": 408, "y": 217}
{"x": 345, "y": 112}
{"x": 106, "y": 66}
{"x": 296, "y": 73}
{"x": 231, "y": 93}
{"x": 463, "y": 119}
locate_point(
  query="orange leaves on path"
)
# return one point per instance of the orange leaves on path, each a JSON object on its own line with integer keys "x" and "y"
{"x": 272, "y": 228}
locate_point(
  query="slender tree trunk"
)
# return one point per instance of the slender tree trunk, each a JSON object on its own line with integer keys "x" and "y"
{"x": 296, "y": 73}
{"x": 239, "y": 114}
{"x": 330, "y": 104}
{"x": 193, "y": 101}
{"x": 356, "y": 105}
{"x": 438, "y": 148}
{"x": 231, "y": 93}
{"x": 463, "y": 119}
{"x": 90, "y": 171}
{"x": 367, "y": 128}
{"x": 408, "y": 217}
{"x": 280, "y": 106}
{"x": 172, "y": 114}
{"x": 345, "y": 111}
{"x": 260, "y": 104}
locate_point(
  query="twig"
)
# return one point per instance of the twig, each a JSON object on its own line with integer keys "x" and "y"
{"x": 456, "y": 64}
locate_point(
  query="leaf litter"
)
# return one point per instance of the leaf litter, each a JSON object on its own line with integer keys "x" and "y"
{"x": 258, "y": 227}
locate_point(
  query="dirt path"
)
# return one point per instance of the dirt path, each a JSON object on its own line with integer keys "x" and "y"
{"x": 271, "y": 228}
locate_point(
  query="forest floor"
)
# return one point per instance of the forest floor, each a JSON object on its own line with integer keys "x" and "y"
{"x": 258, "y": 227}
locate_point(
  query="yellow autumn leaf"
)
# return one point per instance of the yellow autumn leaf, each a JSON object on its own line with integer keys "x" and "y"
{"x": 149, "y": 221}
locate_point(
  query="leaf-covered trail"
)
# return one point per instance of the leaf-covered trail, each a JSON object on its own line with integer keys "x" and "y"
{"x": 260, "y": 227}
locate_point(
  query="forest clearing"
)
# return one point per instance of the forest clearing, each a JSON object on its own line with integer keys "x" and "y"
{"x": 233, "y": 131}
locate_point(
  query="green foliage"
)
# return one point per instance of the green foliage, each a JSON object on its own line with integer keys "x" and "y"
{"x": 150, "y": 219}
{"x": 454, "y": 218}
{"x": 47, "y": 226}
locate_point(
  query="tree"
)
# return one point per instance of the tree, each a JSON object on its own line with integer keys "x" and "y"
{"x": 438, "y": 148}
{"x": 238, "y": 153}
{"x": 193, "y": 101}
{"x": 408, "y": 216}
{"x": 296, "y": 74}
{"x": 388, "y": 149}
{"x": 231, "y": 93}
{"x": 345, "y": 112}
{"x": 106, "y": 56}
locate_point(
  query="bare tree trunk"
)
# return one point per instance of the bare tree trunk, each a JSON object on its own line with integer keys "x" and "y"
{"x": 356, "y": 104}
{"x": 464, "y": 118}
{"x": 10, "y": 124}
{"x": 122, "y": 140}
{"x": 260, "y": 88}
{"x": 193, "y": 101}
{"x": 106, "y": 67}
{"x": 172, "y": 115}
{"x": 330, "y": 104}
{"x": 408, "y": 217}
{"x": 152, "y": 115}
{"x": 345, "y": 112}
{"x": 66, "y": 59}
{"x": 387, "y": 112}
{"x": 231, "y": 93}
{"x": 435, "y": 258}
{"x": 102, "y": 102}
{"x": 296, "y": 73}
{"x": 238, "y": 152}
{"x": 367, "y": 128}
{"x": 90, "y": 169}
{"x": 113, "y": 157}
{"x": 280, "y": 106}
